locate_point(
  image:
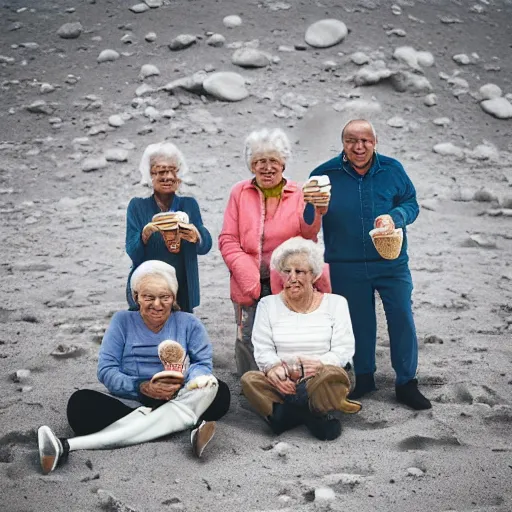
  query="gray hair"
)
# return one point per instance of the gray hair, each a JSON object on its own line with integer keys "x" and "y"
{"x": 299, "y": 245}
{"x": 161, "y": 149}
{"x": 267, "y": 141}
{"x": 154, "y": 268}
{"x": 359, "y": 121}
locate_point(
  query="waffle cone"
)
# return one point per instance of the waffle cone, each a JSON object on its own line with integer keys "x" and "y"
{"x": 172, "y": 355}
{"x": 388, "y": 246}
{"x": 172, "y": 239}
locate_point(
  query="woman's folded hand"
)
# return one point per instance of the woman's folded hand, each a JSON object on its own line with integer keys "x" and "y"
{"x": 278, "y": 376}
{"x": 160, "y": 389}
{"x": 148, "y": 230}
{"x": 189, "y": 233}
{"x": 385, "y": 222}
{"x": 311, "y": 366}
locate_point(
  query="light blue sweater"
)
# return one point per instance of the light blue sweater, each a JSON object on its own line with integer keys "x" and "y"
{"x": 129, "y": 351}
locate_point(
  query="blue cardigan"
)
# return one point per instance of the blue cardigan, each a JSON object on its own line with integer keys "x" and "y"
{"x": 129, "y": 351}
{"x": 140, "y": 212}
{"x": 355, "y": 203}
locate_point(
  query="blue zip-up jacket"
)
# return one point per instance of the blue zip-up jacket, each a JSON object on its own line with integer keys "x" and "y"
{"x": 355, "y": 203}
{"x": 140, "y": 212}
{"x": 129, "y": 351}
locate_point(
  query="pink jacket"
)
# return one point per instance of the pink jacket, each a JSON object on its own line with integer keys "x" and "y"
{"x": 240, "y": 241}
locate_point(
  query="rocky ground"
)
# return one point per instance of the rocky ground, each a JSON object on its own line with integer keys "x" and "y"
{"x": 85, "y": 86}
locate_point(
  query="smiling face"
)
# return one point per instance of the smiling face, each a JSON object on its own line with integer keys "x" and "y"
{"x": 268, "y": 169}
{"x": 155, "y": 300}
{"x": 164, "y": 175}
{"x": 297, "y": 275}
{"x": 359, "y": 144}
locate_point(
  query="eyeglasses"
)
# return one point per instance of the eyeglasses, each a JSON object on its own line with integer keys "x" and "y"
{"x": 164, "y": 299}
{"x": 163, "y": 170}
{"x": 364, "y": 142}
{"x": 298, "y": 272}
{"x": 264, "y": 162}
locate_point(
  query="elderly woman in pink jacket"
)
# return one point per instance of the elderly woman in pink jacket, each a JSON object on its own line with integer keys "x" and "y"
{"x": 262, "y": 213}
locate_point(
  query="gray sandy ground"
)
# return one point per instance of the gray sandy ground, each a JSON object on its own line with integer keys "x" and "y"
{"x": 64, "y": 268}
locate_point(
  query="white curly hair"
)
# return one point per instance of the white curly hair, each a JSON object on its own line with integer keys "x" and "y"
{"x": 299, "y": 245}
{"x": 154, "y": 268}
{"x": 267, "y": 141}
{"x": 161, "y": 149}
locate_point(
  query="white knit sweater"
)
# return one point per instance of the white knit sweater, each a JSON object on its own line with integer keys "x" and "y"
{"x": 280, "y": 334}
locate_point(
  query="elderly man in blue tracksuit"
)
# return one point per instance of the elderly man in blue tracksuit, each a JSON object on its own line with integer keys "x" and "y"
{"x": 371, "y": 190}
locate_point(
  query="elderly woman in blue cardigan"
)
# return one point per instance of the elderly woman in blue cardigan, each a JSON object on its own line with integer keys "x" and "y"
{"x": 162, "y": 166}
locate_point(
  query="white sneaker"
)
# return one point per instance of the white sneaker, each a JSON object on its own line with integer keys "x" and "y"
{"x": 50, "y": 449}
{"x": 201, "y": 436}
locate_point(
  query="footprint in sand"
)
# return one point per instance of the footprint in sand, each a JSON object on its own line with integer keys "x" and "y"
{"x": 426, "y": 443}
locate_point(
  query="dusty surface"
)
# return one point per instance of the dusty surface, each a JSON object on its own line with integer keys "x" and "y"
{"x": 63, "y": 266}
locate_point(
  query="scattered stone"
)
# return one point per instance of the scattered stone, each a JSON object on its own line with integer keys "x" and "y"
{"x": 152, "y": 114}
{"x": 139, "y": 8}
{"x": 396, "y": 10}
{"x": 148, "y": 70}
{"x": 109, "y": 502}
{"x": 506, "y": 202}
{"x": 286, "y": 49}
{"x": 46, "y": 88}
{"x": 94, "y": 164}
{"x": 70, "y": 30}
{"x": 414, "y": 59}
{"x": 250, "y": 58}
{"x": 479, "y": 241}
{"x": 127, "y": 38}
{"x": 433, "y": 340}
{"x": 490, "y": 91}
{"x": 372, "y": 73}
{"x": 326, "y": 33}
{"x": 448, "y": 149}
{"x": 116, "y": 121}
{"x": 281, "y": 449}
{"x": 329, "y": 65}
{"x": 441, "y": 121}
{"x": 226, "y": 86}
{"x": 484, "y": 152}
{"x": 461, "y": 58}
{"x": 40, "y": 107}
{"x": 404, "y": 81}
{"x": 6, "y": 60}
{"x": 484, "y": 195}
{"x": 72, "y": 79}
{"x": 396, "y": 122}
{"x": 150, "y": 37}
{"x": 145, "y": 130}
{"x": 358, "y": 107}
{"x": 232, "y": 21}
{"x": 415, "y": 472}
{"x": 20, "y": 376}
{"x": 192, "y": 83}
{"x": 116, "y": 155}
{"x": 448, "y": 20}
{"x": 144, "y": 90}
{"x": 500, "y": 108}
{"x": 154, "y": 4}
{"x": 182, "y": 41}
{"x": 323, "y": 494}
{"x": 15, "y": 26}
{"x": 399, "y": 32}
{"x": 108, "y": 55}
{"x": 430, "y": 100}
{"x": 359, "y": 58}
{"x": 66, "y": 351}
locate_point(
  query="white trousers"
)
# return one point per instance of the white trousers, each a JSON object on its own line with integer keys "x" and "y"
{"x": 144, "y": 424}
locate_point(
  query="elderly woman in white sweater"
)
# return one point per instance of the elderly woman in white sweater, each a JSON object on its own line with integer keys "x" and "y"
{"x": 303, "y": 346}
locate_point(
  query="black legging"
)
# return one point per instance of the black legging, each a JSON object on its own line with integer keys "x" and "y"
{"x": 90, "y": 411}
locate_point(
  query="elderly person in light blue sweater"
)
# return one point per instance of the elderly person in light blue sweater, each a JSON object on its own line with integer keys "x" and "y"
{"x": 162, "y": 168}
{"x": 139, "y": 409}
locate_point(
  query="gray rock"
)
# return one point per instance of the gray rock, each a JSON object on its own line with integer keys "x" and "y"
{"x": 150, "y": 37}
{"x": 116, "y": 121}
{"x": 500, "y": 108}
{"x": 144, "y": 90}
{"x": 108, "y": 56}
{"x": 484, "y": 195}
{"x": 396, "y": 122}
{"x": 282, "y": 449}
{"x": 148, "y": 70}
{"x": 396, "y": 10}
{"x": 430, "y": 100}
{"x": 479, "y": 241}
{"x": 286, "y": 49}
{"x": 216, "y": 40}
{"x": 116, "y": 155}
{"x": 359, "y": 58}
{"x": 152, "y": 114}
{"x": 326, "y": 33}
{"x": 441, "y": 121}
{"x": 154, "y": 4}
{"x": 372, "y": 73}
{"x": 490, "y": 91}
{"x": 182, "y": 41}
{"x": 405, "y": 81}
{"x": 358, "y": 107}
{"x": 484, "y": 152}
{"x": 250, "y": 58}
{"x": 127, "y": 38}
{"x": 109, "y": 502}
{"x": 232, "y": 21}
{"x": 40, "y": 107}
{"x": 461, "y": 58}
{"x": 21, "y": 376}
{"x": 324, "y": 494}
{"x": 70, "y": 30}
{"x": 193, "y": 83}
{"x": 94, "y": 163}
{"x": 46, "y": 88}
{"x": 415, "y": 472}
{"x": 448, "y": 149}
{"x": 97, "y": 129}
{"x": 139, "y": 8}
{"x": 399, "y": 32}
{"x": 506, "y": 202}
{"x": 226, "y": 86}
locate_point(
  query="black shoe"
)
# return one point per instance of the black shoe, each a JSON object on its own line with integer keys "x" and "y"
{"x": 365, "y": 383}
{"x": 323, "y": 426}
{"x": 410, "y": 395}
{"x": 284, "y": 417}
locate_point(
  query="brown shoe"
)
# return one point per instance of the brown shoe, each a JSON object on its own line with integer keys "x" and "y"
{"x": 201, "y": 436}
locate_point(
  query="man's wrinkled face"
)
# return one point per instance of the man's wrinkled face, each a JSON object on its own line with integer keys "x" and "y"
{"x": 359, "y": 144}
